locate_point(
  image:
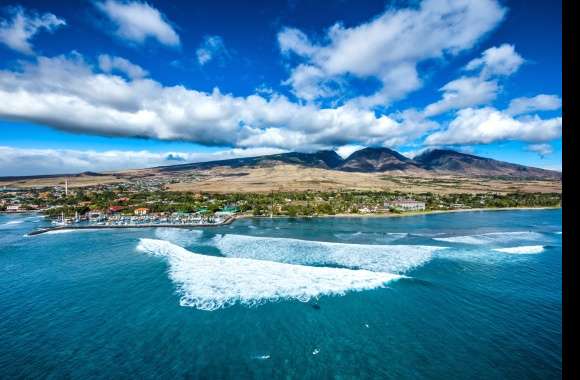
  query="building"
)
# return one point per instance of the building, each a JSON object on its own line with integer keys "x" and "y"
{"x": 13, "y": 208}
{"x": 115, "y": 209}
{"x": 141, "y": 211}
{"x": 405, "y": 205}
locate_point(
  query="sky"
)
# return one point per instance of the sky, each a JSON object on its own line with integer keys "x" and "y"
{"x": 115, "y": 84}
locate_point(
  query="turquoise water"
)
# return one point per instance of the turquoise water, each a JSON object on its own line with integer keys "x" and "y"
{"x": 473, "y": 295}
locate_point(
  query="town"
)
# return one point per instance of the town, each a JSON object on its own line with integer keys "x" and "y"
{"x": 123, "y": 204}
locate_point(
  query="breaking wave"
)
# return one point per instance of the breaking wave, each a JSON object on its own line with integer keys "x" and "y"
{"x": 493, "y": 237}
{"x": 377, "y": 258}
{"x": 210, "y": 283}
{"x": 522, "y": 250}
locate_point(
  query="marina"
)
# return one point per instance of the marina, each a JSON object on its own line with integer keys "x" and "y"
{"x": 217, "y": 222}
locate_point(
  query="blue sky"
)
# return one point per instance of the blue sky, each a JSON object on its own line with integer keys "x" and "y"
{"x": 111, "y": 84}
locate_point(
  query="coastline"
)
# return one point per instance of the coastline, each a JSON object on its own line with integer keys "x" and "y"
{"x": 232, "y": 219}
{"x": 404, "y": 214}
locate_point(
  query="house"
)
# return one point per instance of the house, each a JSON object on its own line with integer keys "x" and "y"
{"x": 13, "y": 208}
{"x": 115, "y": 209}
{"x": 405, "y": 205}
{"x": 141, "y": 211}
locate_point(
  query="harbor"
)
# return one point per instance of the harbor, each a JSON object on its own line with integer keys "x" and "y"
{"x": 216, "y": 223}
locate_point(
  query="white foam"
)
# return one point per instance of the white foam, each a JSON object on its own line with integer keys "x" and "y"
{"x": 179, "y": 236}
{"x": 522, "y": 250}
{"x": 375, "y": 236}
{"x": 558, "y": 233}
{"x": 377, "y": 258}
{"x": 493, "y": 237}
{"x": 210, "y": 283}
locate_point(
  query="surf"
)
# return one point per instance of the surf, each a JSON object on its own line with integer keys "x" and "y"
{"x": 211, "y": 283}
{"x": 377, "y": 258}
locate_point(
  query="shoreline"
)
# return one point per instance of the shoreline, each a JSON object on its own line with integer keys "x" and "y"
{"x": 403, "y": 214}
{"x": 232, "y": 219}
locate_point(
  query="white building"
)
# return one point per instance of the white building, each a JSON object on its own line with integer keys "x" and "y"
{"x": 405, "y": 205}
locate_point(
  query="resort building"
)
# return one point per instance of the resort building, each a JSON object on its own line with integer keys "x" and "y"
{"x": 141, "y": 211}
{"x": 405, "y": 205}
{"x": 13, "y": 208}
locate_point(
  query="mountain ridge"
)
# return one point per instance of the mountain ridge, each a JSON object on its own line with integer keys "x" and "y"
{"x": 384, "y": 160}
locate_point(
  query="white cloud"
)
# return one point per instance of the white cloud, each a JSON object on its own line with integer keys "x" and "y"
{"x": 65, "y": 93}
{"x": 294, "y": 40}
{"x": 482, "y": 89}
{"x": 487, "y": 125}
{"x": 542, "y": 150}
{"x": 463, "y": 92}
{"x": 17, "y": 32}
{"x": 540, "y": 102}
{"x": 210, "y": 48}
{"x": 496, "y": 61}
{"x": 25, "y": 161}
{"x": 387, "y": 48}
{"x": 109, "y": 64}
{"x": 136, "y": 22}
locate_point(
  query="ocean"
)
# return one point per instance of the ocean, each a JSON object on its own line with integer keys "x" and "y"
{"x": 470, "y": 295}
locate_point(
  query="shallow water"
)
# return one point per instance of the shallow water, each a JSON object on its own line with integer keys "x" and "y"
{"x": 462, "y": 295}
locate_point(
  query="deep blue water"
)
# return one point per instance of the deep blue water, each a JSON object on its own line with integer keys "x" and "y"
{"x": 270, "y": 298}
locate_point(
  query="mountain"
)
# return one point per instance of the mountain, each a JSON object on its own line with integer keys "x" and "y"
{"x": 324, "y": 159}
{"x": 452, "y": 162}
{"x": 377, "y": 160}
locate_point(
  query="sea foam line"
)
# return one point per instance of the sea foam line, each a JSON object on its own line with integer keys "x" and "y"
{"x": 378, "y": 258}
{"x": 210, "y": 283}
{"x": 493, "y": 237}
{"x": 522, "y": 250}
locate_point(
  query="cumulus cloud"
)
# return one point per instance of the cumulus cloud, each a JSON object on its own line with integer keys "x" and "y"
{"x": 66, "y": 93}
{"x": 487, "y": 125}
{"x": 22, "y": 26}
{"x": 463, "y": 92}
{"x": 496, "y": 61}
{"x": 540, "y": 102}
{"x": 542, "y": 150}
{"x": 387, "y": 48}
{"x": 212, "y": 47}
{"x": 109, "y": 64}
{"x": 25, "y": 161}
{"x": 136, "y": 22}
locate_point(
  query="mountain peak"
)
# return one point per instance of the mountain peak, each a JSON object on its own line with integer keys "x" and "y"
{"x": 373, "y": 159}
